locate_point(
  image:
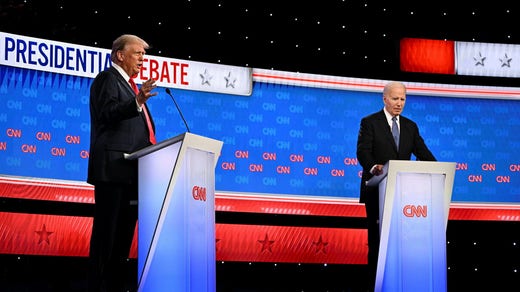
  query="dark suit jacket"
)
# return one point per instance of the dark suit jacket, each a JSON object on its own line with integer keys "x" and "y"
{"x": 376, "y": 145}
{"x": 117, "y": 127}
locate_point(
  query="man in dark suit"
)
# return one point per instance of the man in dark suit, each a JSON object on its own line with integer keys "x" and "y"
{"x": 375, "y": 147}
{"x": 118, "y": 117}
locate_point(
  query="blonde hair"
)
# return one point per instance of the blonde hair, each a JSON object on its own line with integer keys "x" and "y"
{"x": 123, "y": 40}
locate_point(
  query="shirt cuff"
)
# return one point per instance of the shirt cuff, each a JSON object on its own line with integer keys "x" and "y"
{"x": 373, "y": 168}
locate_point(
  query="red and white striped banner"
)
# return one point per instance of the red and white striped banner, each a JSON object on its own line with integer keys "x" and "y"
{"x": 459, "y": 58}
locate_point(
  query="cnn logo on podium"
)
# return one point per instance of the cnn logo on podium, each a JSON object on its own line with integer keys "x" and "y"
{"x": 415, "y": 211}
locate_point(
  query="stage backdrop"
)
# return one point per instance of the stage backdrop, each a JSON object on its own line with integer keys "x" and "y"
{"x": 289, "y": 145}
{"x": 290, "y": 134}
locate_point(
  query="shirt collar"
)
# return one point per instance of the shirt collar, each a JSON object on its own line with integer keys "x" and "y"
{"x": 121, "y": 71}
{"x": 389, "y": 116}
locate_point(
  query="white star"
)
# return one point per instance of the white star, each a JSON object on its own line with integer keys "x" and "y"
{"x": 479, "y": 59}
{"x": 506, "y": 61}
{"x": 229, "y": 82}
{"x": 205, "y": 77}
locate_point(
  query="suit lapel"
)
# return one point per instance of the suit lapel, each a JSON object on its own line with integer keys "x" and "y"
{"x": 383, "y": 124}
{"x": 123, "y": 83}
{"x": 131, "y": 94}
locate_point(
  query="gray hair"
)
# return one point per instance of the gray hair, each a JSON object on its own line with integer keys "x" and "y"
{"x": 391, "y": 85}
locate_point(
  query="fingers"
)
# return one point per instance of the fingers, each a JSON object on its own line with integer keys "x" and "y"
{"x": 150, "y": 83}
{"x": 148, "y": 86}
{"x": 378, "y": 170}
{"x": 146, "y": 89}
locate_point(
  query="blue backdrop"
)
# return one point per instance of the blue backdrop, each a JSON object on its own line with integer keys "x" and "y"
{"x": 282, "y": 139}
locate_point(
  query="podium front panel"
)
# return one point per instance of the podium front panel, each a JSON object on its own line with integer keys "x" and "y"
{"x": 412, "y": 253}
{"x": 176, "y": 238}
{"x": 155, "y": 173}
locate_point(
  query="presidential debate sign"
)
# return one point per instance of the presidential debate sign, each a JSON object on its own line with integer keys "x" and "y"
{"x": 284, "y": 133}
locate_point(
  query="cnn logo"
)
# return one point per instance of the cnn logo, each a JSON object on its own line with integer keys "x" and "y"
{"x": 415, "y": 211}
{"x": 199, "y": 193}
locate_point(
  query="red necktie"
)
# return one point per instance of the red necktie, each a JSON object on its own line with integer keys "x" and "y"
{"x": 145, "y": 110}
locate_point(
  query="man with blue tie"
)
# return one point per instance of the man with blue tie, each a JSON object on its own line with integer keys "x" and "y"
{"x": 385, "y": 135}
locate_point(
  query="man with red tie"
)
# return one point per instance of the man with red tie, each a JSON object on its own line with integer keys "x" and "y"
{"x": 119, "y": 123}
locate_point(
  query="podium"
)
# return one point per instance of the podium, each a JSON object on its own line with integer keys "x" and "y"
{"x": 414, "y": 202}
{"x": 176, "y": 211}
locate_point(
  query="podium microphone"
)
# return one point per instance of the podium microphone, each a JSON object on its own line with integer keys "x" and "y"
{"x": 178, "y": 109}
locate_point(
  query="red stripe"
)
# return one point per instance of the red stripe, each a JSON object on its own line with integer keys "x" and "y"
{"x": 42, "y": 234}
{"x": 296, "y": 205}
{"x": 38, "y": 234}
{"x": 427, "y": 56}
{"x": 285, "y": 244}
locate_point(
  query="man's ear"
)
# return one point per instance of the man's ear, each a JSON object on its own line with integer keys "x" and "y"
{"x": 120, "y": 55}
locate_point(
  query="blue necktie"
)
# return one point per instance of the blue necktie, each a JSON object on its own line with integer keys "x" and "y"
{"x": 395, "y": 131}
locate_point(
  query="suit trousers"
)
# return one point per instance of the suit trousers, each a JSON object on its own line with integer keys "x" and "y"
{"x": 115, "y": 219}
{"x": 372, "y": 211}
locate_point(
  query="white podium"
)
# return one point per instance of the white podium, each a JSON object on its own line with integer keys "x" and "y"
{"x": 414, "y": 202}
{"x": 176, "y": 225}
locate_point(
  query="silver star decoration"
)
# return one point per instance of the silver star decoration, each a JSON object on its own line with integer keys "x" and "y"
{"x": 206, "y": 77}
{"x": 506, "y": 61}
{"x": 230, "y": 82}
{"x": 480, "y": 60}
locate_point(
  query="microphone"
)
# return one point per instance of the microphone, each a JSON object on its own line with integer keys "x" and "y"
{"x": 178, "y": 109}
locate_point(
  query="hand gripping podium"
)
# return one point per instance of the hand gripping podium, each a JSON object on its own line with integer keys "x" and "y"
{"x": 176, "y": 231}
{"x": 414, "y": 202}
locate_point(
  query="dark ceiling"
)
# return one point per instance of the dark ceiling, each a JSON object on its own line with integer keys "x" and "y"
{"x": 336, "y": 37}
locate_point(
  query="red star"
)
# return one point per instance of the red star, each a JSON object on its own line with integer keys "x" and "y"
{"x": 320, "y": 245}
{"x": 266, "y": 244}
{"x": 44, "y": 235}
